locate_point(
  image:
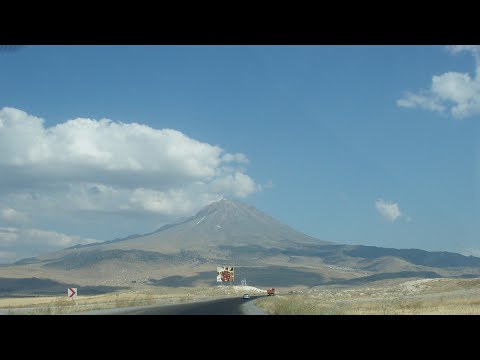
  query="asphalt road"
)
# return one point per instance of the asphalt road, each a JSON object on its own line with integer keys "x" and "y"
{"x": 229, "y": 306}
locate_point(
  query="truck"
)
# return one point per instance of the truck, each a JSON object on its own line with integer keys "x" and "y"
{"x": 271, "y": 291}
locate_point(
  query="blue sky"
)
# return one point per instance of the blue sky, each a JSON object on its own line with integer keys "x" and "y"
{"x": 373, "y": 145}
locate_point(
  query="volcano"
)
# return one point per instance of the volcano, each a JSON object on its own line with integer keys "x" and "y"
{"x": 222, "y": 223}
{"x": 269, "y": 253}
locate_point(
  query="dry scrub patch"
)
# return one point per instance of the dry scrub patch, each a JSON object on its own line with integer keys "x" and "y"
{"x": 425, "y": 296}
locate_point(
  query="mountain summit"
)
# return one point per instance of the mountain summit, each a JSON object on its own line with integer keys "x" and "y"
{"x": 224, "y": 222}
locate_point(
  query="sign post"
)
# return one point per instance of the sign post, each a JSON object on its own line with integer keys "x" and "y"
{"x": 225, "y": 274}
{"x": 72, "y": 293}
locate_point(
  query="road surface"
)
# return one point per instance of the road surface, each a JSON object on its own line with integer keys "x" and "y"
{"x": 229, "y": 306}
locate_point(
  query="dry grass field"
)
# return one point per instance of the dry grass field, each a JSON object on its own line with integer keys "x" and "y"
{"x": 157, "y": 296}
{"x": 426, "y": 296}
{"x": 415, "y": 297}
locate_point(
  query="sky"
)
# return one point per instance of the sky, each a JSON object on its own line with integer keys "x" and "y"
{"x": 371, "y": 145}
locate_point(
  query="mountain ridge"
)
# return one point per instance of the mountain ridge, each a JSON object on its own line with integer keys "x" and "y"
{"x": 261, "y": 248}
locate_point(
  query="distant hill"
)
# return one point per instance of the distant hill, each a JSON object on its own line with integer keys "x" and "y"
{"x": 267, "y": 252}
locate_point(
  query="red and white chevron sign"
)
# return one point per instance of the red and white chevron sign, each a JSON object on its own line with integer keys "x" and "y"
{"x": 72, "y": 292}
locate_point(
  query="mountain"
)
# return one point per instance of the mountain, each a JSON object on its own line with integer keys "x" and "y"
{"x": 217, "y": 230}
{"x": 265, "y": 251}
{"x": 222, "y": 223}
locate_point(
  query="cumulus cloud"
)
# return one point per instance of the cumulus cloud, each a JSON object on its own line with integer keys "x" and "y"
{"x": 19, "y": 243}
{"x": 106, "y": 146}
{"x": 388, "y": 210}
{"x": 87, "y": 171}
{"x": 89, "y": 164}
{"x": 458, "y": 93}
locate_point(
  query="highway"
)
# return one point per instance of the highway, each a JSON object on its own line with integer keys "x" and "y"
{"x": 229, "y": 306}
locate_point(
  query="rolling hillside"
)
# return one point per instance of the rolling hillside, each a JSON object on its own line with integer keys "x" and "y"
{"x": 265, "y": 251}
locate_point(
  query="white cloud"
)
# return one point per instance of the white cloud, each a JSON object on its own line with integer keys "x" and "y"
{"x": 12, "y": 216}
{"x": 389, "y": 210}
{"x": 470, "y": 252}
{"x": 19, "y": 243}
{"x": 459, "y": 93}
{"x": 95, "y": 176}
{"x": 171, "y": 202}
{"x": 103, "y": 145}
{"x": 237, "y": 183}
{"x": 7, "y": 257}
{"x": 102, "y": 165}
{"x": 426, "y": 101}
{"x": 455, "y": 49}
{"x": 239, "y": 158}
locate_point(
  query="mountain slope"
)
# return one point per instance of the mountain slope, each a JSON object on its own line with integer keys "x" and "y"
{"x": 222, "y": 223}
{"x": 231, "y": 232}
